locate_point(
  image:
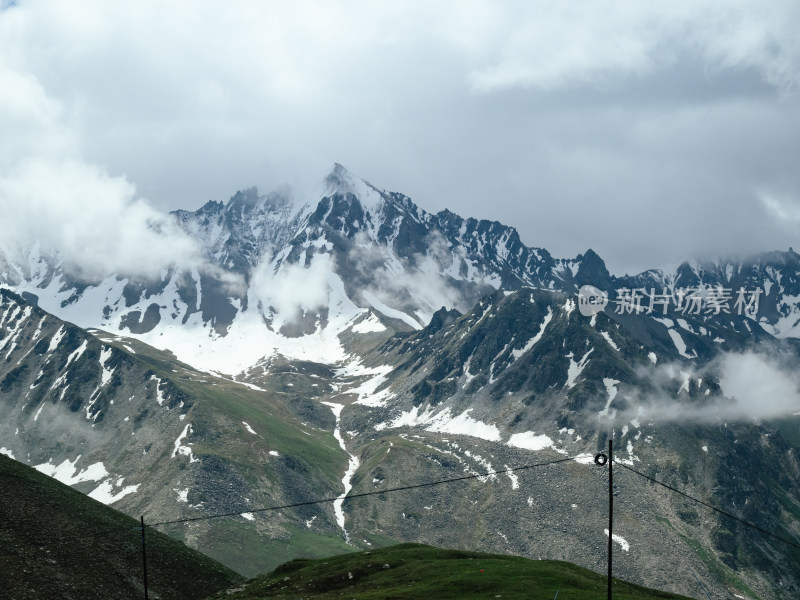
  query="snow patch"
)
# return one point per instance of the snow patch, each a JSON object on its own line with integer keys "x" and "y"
{"x": 575, "y": 368}
{"x": 685, "y": 384}
{"x": 444, "y": 422}
{"x": 611, "y": 390}
{"x": 66, "y": 472}
{"x": 347, "y": 480}
{"x": 532, "y": 342}
{"x": 528, "y": 440}
{"x": 56, "y": 339}
{"x": 77, "y": 353}
{"x": 513, "y": 477}
{"x": 619, "y": 540}
{"x": 611, "y": 343}
{"x": 680, "y": 345}
{"x": 159, "y": 392}
{"x": 390, "y": 312}
{"x": 180, "y": 448}
{"x": 371, "y": 324}
{"x": 367, "y": 390}
{"x": 105, "y": 491}
{"x": 105, "y": 354}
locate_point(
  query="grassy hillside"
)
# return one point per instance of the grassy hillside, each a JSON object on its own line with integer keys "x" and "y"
{"x": 308, "y": 464}
{"x": 93, "y": 398}
{"x": 414, "y": 571}
{"x": 58, "y": 543}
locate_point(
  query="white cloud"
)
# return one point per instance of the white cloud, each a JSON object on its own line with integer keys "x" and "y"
{"x": 294, "y": 288}
{"x": 569, "y": 120}
{"x": 29, "y": 118}
{"x": 781, "y": 209}
{"x": 747, "y": 33}
{"x": 50, "y": 194}
{"x": 754, "y": 386}
{"x": 568, "y": 43}
{"x": 758, "y": 387}
{"x": 392, "y": 280}
{"x": 93, "y": 219}
{"x": 582, "y": 41}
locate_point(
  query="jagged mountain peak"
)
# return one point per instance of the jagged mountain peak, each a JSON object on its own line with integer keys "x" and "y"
{"x": 340, "y": 177}
{"x": 245, "y": 204}
{"x": 271, "y": 260}
{"x": 342, "y": 181}
{"x": 592, "y": 270}
{"x": 248, "y": 200}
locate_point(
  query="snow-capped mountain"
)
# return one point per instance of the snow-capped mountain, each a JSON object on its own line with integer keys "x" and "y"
{"x": 381, "y": 345}
{"x": 289, "y": 277}
{"x": 284, "y": 276}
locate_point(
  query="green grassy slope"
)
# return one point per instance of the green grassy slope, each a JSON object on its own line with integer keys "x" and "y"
{"x": 57, "y": 543}
{"x": 415, "y": 571}
{"x": 309, "y": 464}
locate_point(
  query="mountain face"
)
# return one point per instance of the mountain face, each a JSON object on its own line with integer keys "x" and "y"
{"x": 524, "y": 377}
{"x": 376, "y": 346}
{"x": 124, "y": 423}
{"x": 282, "y": 277}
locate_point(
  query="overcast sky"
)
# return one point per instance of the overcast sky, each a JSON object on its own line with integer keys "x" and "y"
{"x": 647, "y": 131}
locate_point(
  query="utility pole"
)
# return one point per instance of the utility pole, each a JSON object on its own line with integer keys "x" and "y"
{"x": 144, "y": 561}
{"x": 610, "y": 508}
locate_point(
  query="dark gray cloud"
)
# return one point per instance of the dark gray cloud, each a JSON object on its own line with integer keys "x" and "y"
{"x": 649, "y": 133}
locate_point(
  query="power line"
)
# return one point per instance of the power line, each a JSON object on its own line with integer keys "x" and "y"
{"x": 466, "y": 478}
{"x": 363, "y": 494}
{"x": 714, "y": 508}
